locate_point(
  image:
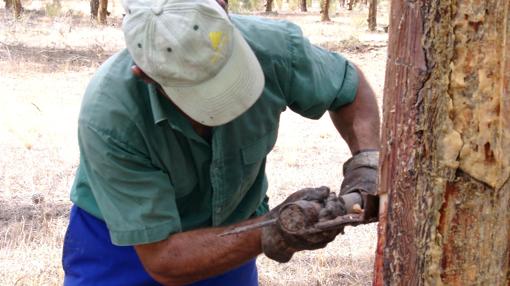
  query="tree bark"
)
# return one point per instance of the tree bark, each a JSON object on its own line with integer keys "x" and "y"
{"x": 269, "y": 6}
{"x": 15, "y": 5}
{"x": 445, "y": 160}
{"x": 103, "y": 11}
{"x": 372, "y": 15}
{"x": 303, "y": 6}
{"x": 17, "y": 8}
{"x": 94, "y": 9}
{"x": 325, "y": 11}
{"x": 350, "y": 3}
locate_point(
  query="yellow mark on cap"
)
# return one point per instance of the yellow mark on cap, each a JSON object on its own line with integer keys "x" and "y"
{"x": 218, "y": 41}
{"x": 215, "y": 38}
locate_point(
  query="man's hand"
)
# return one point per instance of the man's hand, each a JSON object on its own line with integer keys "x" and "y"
{"x": 360, "y": 173}
{"x": 280, "y": 245}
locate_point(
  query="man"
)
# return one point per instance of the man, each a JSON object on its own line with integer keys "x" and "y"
{"x": 174, "y": 133}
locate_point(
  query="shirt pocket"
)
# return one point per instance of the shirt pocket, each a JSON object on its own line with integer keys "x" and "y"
{"x": 254, "y": 155}
{"x": 258, "y": 150}
{"x": 184, "y": 184}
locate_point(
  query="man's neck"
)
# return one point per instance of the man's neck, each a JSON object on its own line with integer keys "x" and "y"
{"x": 202, "y": 130}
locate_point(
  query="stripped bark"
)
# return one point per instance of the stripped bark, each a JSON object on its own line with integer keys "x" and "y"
{"x": 445, "y": 160}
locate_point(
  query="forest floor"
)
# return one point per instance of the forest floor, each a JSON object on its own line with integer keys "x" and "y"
{"x": 46, "y": 60}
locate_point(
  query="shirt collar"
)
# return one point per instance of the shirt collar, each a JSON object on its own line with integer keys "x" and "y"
{"x": 160, "y": 111}
{"x": 163, "y": 110}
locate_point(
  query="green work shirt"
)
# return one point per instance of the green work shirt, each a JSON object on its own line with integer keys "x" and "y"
{"x": 147, "y": 173}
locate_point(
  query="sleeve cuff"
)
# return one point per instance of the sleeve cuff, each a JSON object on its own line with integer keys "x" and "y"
{"x": 144, "y": 236}
{"x": 349, "y": 88}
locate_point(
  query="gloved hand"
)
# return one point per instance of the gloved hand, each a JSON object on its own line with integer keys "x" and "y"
{"x": 360, "y": 173}
{"x": 280, "y": 245}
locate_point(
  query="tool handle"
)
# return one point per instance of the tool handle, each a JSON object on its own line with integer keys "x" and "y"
{"x": 299, "y": 216}
{"x": 351, "y": 200}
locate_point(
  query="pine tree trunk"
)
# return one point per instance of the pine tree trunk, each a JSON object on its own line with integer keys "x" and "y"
{"x": 372, "y": 15}
{"x": 303, "y": 6}
{"x": 269, "y": 6}
{"x": 325, "y": 11}
{"x": 349, "y": 4}
{"x": 14, "y": 5}
{"x": 103, "y": 11}
{"x": 445, "y": 161}
{"x": 94, "y": 9}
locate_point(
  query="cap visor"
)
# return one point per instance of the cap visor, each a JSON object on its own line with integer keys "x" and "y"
{"x": 228, "y": 94}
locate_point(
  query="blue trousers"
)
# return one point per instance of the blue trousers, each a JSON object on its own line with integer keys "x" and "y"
{"x": 90, "y": 259}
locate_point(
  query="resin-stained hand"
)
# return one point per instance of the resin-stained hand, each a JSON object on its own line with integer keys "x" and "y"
{"x": 317, "y": 204}
{"x": 360, "y": 173}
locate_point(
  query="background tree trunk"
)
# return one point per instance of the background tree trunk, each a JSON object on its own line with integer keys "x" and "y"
{"x": 350, "y": 3}
{"x": 94, "y": 9}
{"x": 325, "y": 11}
{"x": 103, "y": 11}
{"x": 17, "y": 8}
{"x": 303, "y": 6}
{"x": 269, "y": 6}
{"x": 372, "y": 15}
{"x": 15, "y": 5}
{"x": 445, "y": 158}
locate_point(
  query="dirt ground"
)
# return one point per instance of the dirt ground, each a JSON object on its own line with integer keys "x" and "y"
{"x": 45, "y": 64}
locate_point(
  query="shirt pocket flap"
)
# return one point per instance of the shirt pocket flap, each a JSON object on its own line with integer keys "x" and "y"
{"x": 184, "y": 185}
{"x": 258, "y": 150}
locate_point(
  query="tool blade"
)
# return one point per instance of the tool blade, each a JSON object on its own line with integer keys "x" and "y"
{"x": 245, "y": 228}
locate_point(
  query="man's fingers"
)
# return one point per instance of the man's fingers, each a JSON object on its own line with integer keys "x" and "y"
{"x": 316, "y": 194}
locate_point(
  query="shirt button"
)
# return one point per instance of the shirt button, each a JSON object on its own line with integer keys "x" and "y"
{"x": 218, "y": 210}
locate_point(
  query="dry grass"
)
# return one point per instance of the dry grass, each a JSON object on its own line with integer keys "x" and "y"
{"x": 45, "y": 64}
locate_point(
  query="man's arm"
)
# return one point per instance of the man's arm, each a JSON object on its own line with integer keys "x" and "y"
{"x": 193, "y": 255}
{"x": 358, "y": 122}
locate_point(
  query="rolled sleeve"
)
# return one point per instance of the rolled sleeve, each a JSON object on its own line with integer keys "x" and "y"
{"x": 319, "y": 80}
{"x": 136, "y": 200}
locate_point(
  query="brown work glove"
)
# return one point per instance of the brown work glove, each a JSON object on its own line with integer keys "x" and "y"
{"x": 360, "y": 173}
{"x": 280, "y": 245}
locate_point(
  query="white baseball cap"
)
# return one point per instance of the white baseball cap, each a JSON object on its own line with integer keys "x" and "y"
{"x": 199, "y": 58}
